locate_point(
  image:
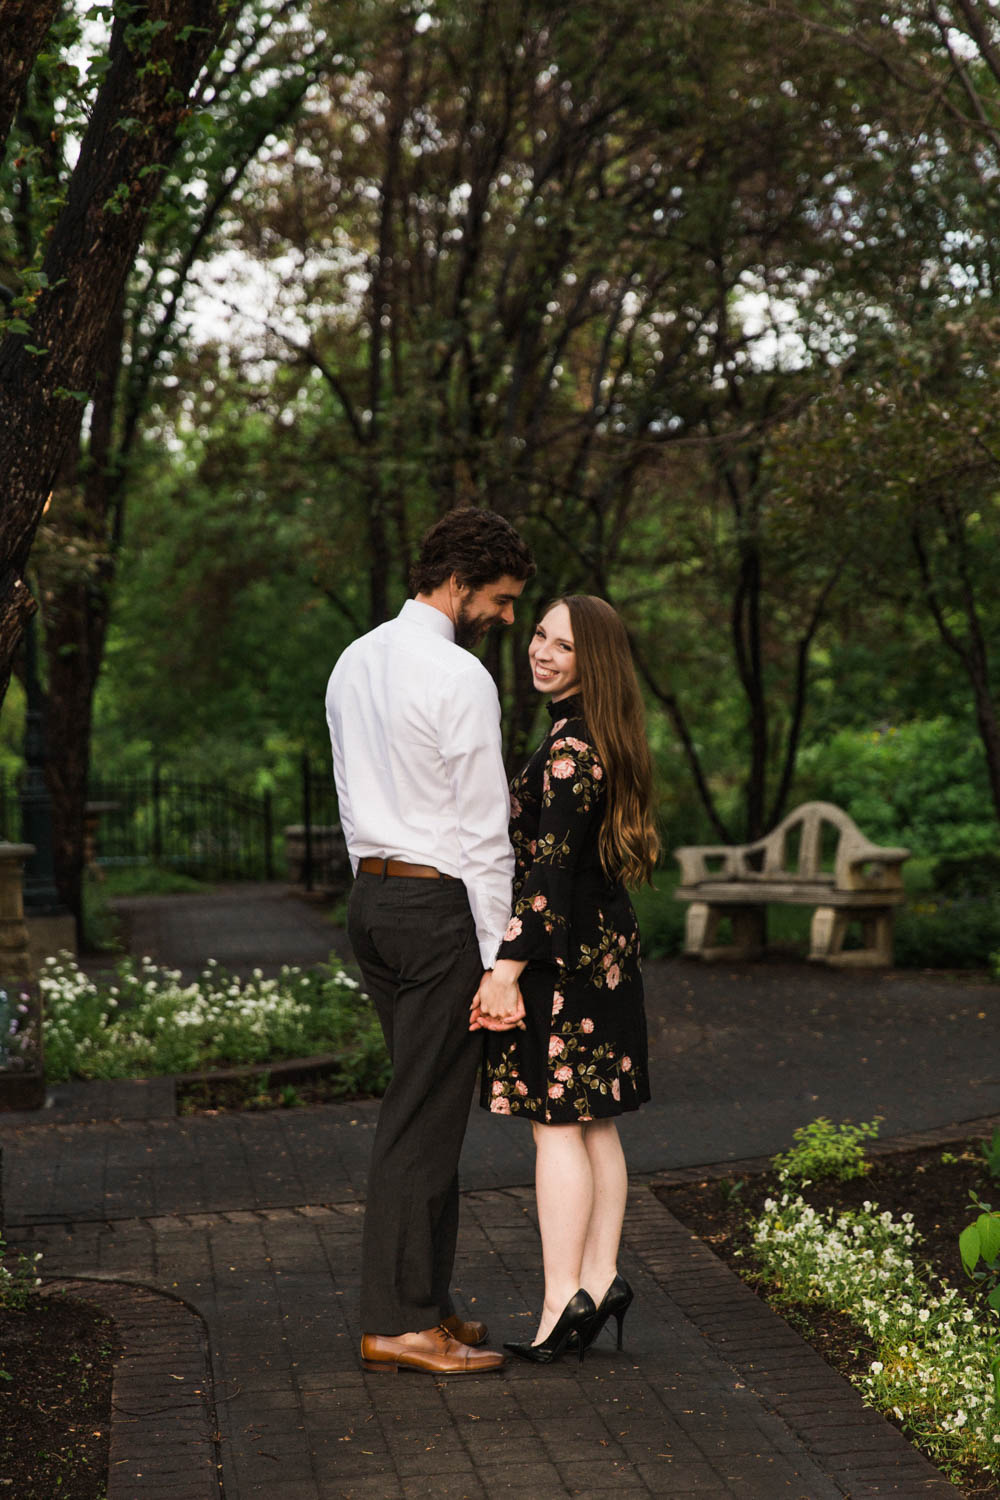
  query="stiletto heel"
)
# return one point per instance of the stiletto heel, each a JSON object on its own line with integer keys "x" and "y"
{"x": 614, "y": 1304}
{"x": 573, "y": 1320}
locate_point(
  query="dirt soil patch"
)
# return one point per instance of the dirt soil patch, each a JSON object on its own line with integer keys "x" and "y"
{"x": 56, "y": 1361}
{"x": 932, "y": 1183}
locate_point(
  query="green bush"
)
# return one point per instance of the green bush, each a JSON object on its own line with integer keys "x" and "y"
{"x": 938, "y": 934}
{"x": 660, "y": 917}
{"x": 921, "y": 784}
{"x": 823, "y": 1149}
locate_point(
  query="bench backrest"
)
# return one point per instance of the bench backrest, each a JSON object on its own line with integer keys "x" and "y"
{"x": 809, "y": 820}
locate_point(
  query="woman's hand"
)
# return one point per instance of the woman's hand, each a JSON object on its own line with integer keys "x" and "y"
{"x": 498, "y": 1005}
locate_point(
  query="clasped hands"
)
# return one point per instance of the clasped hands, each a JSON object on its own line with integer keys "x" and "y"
{"x": 498, "y": 1005}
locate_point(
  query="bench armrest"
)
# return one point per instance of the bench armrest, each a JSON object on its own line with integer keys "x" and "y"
{"x": 884, "y": 872}
{"x": 693, "y": 860}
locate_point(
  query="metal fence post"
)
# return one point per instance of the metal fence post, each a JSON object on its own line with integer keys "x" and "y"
{"x": 307, "y": 854}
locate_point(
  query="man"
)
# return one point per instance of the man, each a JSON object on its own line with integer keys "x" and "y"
{"x": 414, "y": 724}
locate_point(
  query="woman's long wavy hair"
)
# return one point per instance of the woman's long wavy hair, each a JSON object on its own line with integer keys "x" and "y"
{"x": 616, "y": 719}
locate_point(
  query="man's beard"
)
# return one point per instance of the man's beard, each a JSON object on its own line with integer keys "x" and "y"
{"x": 470, "y": 629}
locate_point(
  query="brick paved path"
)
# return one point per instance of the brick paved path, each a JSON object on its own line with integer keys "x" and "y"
{"x": 227, "y": 1249}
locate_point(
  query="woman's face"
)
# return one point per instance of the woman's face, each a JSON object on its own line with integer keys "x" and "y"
{"x": 551, "y": 654}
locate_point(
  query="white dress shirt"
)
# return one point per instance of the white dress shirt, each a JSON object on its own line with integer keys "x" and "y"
{"x": 415, "y": 729}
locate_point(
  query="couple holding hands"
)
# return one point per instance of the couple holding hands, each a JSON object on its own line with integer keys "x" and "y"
{"x": 493, "y": 930}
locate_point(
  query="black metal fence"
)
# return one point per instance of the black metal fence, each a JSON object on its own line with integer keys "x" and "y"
{"x": 201, "y": 828}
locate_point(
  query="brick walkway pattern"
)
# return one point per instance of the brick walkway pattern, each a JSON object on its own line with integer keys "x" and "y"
{"x": 227, "y": 1250}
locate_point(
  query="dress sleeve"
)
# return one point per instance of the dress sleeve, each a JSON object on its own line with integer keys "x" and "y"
{"x": 572, "y": 806}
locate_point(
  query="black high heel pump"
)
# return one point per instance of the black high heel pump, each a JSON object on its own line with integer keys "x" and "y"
{"x": 614, "y": 1304}
{"x": 574, "y": 1319}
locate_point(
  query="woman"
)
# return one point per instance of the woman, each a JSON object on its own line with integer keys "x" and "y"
{"x": 582, "y": 829}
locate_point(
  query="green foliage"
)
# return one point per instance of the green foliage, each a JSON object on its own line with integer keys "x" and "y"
{"x": 991, "y": 1154}
{"x": 921, "y": 784}
{"x": 17, "y": 1280}
{"x": 980, "y": 1242}
{"x": 937, "y": 934}
{"x": 148, "y": 880}
{"x": 660, "y": 917}
{"x": 823, "y": 1149}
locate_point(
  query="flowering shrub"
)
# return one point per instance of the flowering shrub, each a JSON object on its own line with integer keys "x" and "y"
{"x": 15, "y": 1027}
{"x": 150, "y": 1021}
{"x": 934, "y": 1369}
{"x": 17, "y": 1280}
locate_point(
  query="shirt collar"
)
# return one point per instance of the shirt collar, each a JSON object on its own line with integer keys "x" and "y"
{"x": 429, "y": 618}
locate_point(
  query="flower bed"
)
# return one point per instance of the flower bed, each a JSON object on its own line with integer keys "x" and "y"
{"x": 869, "y": 1271}
{"x": 22, "y": 1083}
{"x": 147, "y": 1021}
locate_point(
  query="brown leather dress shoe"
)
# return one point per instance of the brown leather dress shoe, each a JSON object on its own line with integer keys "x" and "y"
{"x": 432, "y": 1350}
{"x": 469, "y": 1333}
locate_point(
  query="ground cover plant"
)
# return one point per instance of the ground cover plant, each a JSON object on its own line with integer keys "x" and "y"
{"x": 869, "y": 1269}
{"x": 56, "y": 1358}
{"x": 145, "y": 1020}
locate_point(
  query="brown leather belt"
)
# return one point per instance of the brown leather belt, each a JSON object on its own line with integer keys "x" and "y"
{"x": 372, "y": 865}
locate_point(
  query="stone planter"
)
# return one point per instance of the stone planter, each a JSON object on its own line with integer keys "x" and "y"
{"x": 22, "y": 1074}
{"x": 331, "y": 868}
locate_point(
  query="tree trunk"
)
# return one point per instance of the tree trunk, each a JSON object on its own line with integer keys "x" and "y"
{"x": 76, "y": 613}
{"x": 131, "y": 134}
{"x": 23, "y": 24}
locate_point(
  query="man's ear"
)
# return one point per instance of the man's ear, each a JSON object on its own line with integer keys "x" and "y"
{"x": 459, "y": 584}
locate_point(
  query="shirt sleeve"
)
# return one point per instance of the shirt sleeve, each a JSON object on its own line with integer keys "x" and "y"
{"x": 572, "y": 806}
{"x": 344, "y": 813}
{"x": 471, "y": 747}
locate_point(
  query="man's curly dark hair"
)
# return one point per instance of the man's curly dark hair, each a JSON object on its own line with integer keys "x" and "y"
{"x": 479, "y": 546}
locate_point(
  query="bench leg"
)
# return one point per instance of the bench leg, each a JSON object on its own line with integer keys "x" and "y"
{"x": 702, "y": 925}
{"x": 829, "y": 928}
{"x": 826, "y": 933}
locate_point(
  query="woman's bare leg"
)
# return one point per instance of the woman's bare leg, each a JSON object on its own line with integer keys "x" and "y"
{"x": 609, "y": 1176}
{"x": 564, "y": 1192}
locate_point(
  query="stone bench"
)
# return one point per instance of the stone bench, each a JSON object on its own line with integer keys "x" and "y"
{"x": 816, "y": 857}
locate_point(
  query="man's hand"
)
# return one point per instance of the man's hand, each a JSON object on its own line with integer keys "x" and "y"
{"x": 498, "y": 1005}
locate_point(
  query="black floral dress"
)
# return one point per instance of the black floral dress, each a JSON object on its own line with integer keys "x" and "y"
{"x": 582, "y": 1055}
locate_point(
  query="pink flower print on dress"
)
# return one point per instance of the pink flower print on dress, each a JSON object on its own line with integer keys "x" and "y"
{"x": 497, "y": 1086}
{"x": 563, "y": 768}
{"x": 596, "y": 771}
{"x": 626, "y": 1064}
{"x": 558, "y": 1001}
{"x": 606, "y": 960}
{"x": 564, "y": 1074}
{"x": 561, "y": 725}
{"x": 621, "y": 941}
{"x": 499, "y": 1106}
{"x": 539, "y": 902}
{"x": 555, "y": 1091}
{"x": 520, "y": 1087}
{"x": 515, "y": 808}
{"x": 614, "y": 977}
{"x": 616, "y": 1092}
{"x": 556, "y": 1046}
{"x": 587, "y": 1025}
{"x": 513, "y": 930}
